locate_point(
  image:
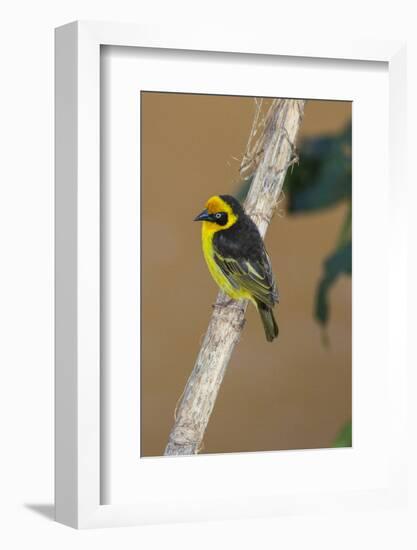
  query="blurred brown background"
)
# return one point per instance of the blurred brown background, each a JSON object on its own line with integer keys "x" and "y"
{"x": 294, "y": 393}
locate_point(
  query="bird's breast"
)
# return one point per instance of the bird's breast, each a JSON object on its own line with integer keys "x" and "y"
{"x": 215, "y": 271}
{"x": 207, "y": 236}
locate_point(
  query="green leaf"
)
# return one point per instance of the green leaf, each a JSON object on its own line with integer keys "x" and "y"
{"x": 344, "y": 437}
{"x": 338, "y": 263}
{"x": 345, "y": 234}
{"x": 323, "y": 176}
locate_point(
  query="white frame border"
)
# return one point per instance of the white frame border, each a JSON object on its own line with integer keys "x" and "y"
{"x": 77, "y": 250}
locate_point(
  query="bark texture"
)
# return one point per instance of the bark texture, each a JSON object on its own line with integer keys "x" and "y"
{"x": 270, "y": 152}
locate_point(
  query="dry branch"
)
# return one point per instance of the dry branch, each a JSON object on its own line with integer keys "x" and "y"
{"x": 270, "y": 151}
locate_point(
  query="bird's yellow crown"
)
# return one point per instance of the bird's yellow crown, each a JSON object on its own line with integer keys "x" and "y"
{"x": 217, "y": 204}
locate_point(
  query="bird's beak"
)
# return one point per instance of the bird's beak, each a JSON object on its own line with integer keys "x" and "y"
{"x": 203, "y": 216}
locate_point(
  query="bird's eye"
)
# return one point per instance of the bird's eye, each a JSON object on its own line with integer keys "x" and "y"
{"x": 218, "y": 215}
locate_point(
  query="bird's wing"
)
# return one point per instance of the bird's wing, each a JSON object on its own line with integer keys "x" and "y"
{"x": 255, "y": 276}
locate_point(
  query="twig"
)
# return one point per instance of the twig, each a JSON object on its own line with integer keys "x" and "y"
{"x": 272, "y": 152}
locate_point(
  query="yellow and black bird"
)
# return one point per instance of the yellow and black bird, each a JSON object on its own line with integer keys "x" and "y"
{"x": 237, "y": 259}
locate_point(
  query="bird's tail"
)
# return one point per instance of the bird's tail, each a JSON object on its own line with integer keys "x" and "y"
{"x": 268, "y": 321}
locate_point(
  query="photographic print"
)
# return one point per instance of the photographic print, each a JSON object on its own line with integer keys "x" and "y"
{"x": 246, "y": 263}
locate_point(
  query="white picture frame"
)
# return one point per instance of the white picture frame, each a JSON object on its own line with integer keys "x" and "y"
{"x": 78, "y": 410}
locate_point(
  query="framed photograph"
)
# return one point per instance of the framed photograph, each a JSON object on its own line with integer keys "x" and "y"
{"x": 207, "y": 368}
